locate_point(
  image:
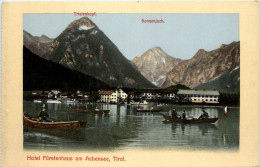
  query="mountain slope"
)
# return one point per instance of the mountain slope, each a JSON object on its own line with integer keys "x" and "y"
{"x": 229, "y": 82}
{"x": 83, "y": 47}
{"x": 154, "y": 64}
{"x": 41, "y": 74}
{"x": 38, "y": 45}
{"x": 204, "y": 66}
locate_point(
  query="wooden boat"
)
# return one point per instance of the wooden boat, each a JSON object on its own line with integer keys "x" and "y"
{"x": 194, "y": 120}
{"x": 35, "y": 123}
{"x": 149, "y": 110}
{"x": 89, "y": 111}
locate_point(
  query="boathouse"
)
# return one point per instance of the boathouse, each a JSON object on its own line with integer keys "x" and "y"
{"x": 199, "y": 96}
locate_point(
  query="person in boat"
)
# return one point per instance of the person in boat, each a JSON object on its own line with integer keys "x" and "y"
{"x": 43, "y": 115}
{"x": 174, "y": 113}
{"x": 183, "y": 115}
{"x": 204, "y": 115}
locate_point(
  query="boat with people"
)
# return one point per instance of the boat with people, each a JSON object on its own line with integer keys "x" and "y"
{"x": 190, "y": 120}
{"x": 36, "y": 123}
{"x": 96, "y": 111}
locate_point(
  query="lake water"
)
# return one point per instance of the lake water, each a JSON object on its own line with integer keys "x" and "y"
{"x": 124, "y": 128}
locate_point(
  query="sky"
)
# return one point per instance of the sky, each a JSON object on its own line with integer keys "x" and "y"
{"x": 180, "y": 36}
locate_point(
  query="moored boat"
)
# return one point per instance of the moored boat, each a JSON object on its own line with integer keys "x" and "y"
{"x": 193, "y": 120}
{"x": 35, "y": 123}
{"x": 37, "y": 101}
{"x": 149, "y": 110}
{"x": 89, "y": 111}
{"x": 69, "y": 100}
{"x": 53, "y": 101}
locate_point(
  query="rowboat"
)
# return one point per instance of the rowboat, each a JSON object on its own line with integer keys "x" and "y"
{"x": 36, "y": 123}
{"x": 150, "y": 110}
{"x": 89, "y": 111}
{"x": 193, "y": 120}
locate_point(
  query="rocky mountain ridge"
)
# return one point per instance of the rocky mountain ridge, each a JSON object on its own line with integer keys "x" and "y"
{"x": 38, "y": 45}
{"x": 154, "y": 65}
{"x": 229, "y": 82}
{"x": 205, "y": 66}
{"x": 164, "y": 70}
{"x": 83, "y": 47}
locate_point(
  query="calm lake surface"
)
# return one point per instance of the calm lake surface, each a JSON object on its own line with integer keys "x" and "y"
{"x": 124, "y": 128}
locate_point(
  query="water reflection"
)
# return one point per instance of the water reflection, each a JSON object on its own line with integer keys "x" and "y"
{"x": 77, "y": 135}
{"x": 124, "y": 128}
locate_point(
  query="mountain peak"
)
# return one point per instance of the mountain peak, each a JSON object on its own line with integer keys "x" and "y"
{"x": 156, "y": 48}
{"x": 156, "y": 51}
{"x": 154, "y": 64}
{"x": 83, "y": 47}
{"x": 83, "y": 23}
{"x": 200, "y": 53}
{"x": 43, "y": 36}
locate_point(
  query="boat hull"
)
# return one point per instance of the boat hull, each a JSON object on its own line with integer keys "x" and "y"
{"x": 35, "y": 123}
{"x": 209, "y": 120}
{"x": 89, "y": 111}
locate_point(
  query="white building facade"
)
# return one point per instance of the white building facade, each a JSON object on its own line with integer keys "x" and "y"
{"x": 112, "y": 96}
{"x": 199, "y": 96}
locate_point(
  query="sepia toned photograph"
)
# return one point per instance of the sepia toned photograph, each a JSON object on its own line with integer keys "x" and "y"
{"x": 94, "y": 81}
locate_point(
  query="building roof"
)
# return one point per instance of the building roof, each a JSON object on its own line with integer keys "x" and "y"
{"x": 105, "y": 92}
{"x": 197, "y": 92}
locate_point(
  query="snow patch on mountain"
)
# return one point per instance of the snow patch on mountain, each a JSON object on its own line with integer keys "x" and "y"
{"x": 84, "y": 27}
{"x": 159, "y": 81}
{"x": 163, "y": 60}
